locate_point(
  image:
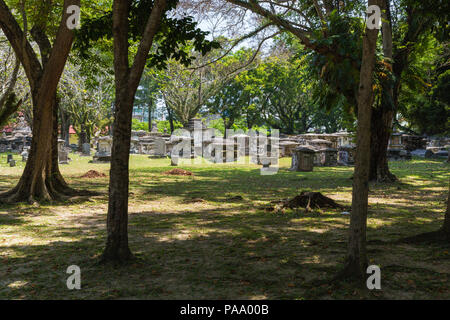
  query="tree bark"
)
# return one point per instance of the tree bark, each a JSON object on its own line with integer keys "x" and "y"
{"x": 383, "y": 115}
{"x": 356, "y": 263}
{"x": 127, "y": 82}
{"x": 65, "y": 126}
{"x": 382, "y": 119}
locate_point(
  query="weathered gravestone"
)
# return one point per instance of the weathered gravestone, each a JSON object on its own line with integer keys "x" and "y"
{"x": 63, "y": 155}
{"x": 86, "y": 150}
{"x": 159, "y": 148}
{"x": 24, "y": 155}
{"x": 9, "y": 158}
{"x": 104, "y": 147}
{"x": 154, "y": 127}
{"x": 12, "y": 163}
{"x": 302, "y": 159}
{"x": 343, "y": 158}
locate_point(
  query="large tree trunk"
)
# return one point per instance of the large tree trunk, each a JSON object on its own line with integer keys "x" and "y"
{"x": 383, "y": 115}
{"x": 82, "y": 137}
{"x": 127, "y": 82}
{"x": 41, "y": 179}
{"x": 356, "y": 263}
{"x": 172, "y": 126}
{"x": 65, "y": 127}
{"x": 381, "y": 123}
{"x": 117, "y": 221}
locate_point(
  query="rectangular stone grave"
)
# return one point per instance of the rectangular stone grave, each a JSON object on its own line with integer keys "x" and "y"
{"x": 159, "y": 148}
{"x": 63, "y": 157}
{"x": 86, "y": 150}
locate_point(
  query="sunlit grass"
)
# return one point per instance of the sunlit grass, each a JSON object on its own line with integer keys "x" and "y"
{"x": 193, "y": 242}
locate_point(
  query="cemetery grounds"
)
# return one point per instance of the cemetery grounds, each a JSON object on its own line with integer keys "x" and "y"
{"x": 209, "y": 236}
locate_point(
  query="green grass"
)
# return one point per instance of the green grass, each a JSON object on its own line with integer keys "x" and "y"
{"x": 221, "y": 248}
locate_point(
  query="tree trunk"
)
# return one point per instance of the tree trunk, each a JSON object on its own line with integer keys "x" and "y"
{"x": 381, "y": 131}
{"x": 383, "y": 116}
{"x": 65, "y": 127}
{"x": 117, "y": 221}
{"x": 41, "y": 179}
{"x": 150, "y": 107}
{"x": 356, "y": 263}
{"x": 82, "y": 137}
{"x": 127, "y": 82}
{"x": 446, "y": 226}
{"x": 172, "y": 126}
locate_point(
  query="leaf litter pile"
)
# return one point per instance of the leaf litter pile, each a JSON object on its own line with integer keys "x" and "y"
{"x": 178, "y": 172}
{"x": 92, "y": 174}
{"x": 307, "y": 200}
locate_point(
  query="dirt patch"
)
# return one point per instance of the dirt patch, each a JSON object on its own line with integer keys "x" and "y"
{"x": 92, "y": 174}
{"x": 178, "y": 172}
{"x": 307, "y": 200}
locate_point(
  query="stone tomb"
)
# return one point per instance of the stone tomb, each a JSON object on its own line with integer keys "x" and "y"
{"x": 346, "y": 155}
{"x": 303, "y": 159}
{"x": 104, "y": 147}
{"x": 159, "y": 149}
{"x": 86, "y": 150}
{"x": 327, "y": 157}
{"x": 63, "y": 154}
{"x": 25, "y": 154}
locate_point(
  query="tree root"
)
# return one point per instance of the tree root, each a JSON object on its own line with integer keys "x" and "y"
{"x": 309, "y": 201}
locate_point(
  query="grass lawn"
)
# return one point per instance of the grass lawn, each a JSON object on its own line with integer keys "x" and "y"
{"x": 196, "y": 240}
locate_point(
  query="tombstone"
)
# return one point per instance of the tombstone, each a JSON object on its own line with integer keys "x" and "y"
{"x": 419, "y": 153}
{"x": 12, "y": 163}
{"x": 63, "y": 154}
{"x": 9, "y": 158}
{"x": 303, "y": 159}
{"x": 174, "y": 159}
{"x": 159, "y": 148}
{"x": 343, "y": 158}
{"x": 154, "y": 127}
{"x": 24, "y": 155}
{"x": 328, "y": 157}
{"x": 103, "y": 153}
{"x": 63, "y": 157}
{"x": 86, "y": 150}
{"x": 348, "y": 154}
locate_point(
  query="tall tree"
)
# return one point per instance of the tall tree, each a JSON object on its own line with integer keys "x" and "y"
{"x": 403, "y": 32}
{"x": 356, "y": 264}
{"x": 148, "y": 22}
{"x": 312, "y": 21}
{"x": 41, "y": 178}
